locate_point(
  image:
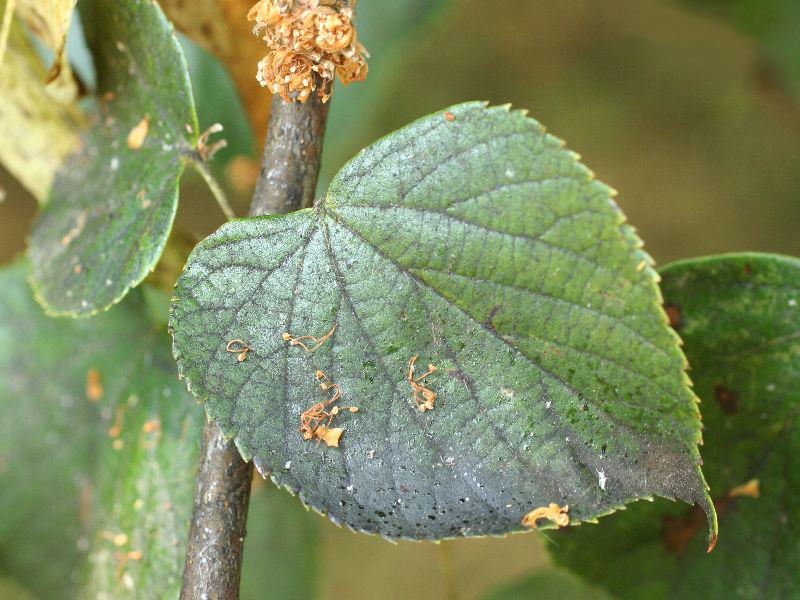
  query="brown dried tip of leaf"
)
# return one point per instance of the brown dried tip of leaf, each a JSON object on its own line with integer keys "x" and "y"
{"x": 94, "y": 386}
{"x": 749, "y": 489}
{"x": 553, "y": 513}
{"x": 307, "y": 38}
{"x": 138, "y": 134}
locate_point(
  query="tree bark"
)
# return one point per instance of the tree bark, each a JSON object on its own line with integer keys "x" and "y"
{"x": 288, "y": 178}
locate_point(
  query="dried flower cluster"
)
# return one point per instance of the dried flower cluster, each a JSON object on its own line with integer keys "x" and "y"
{"x": 307, "y": 37}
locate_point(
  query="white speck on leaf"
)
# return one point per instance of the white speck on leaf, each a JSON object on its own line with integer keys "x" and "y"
{"x": 288, "y": 465}
{"x": 601, "y": 479}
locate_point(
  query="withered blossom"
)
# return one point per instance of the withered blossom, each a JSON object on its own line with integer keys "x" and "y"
{"x": 307, "y": 38}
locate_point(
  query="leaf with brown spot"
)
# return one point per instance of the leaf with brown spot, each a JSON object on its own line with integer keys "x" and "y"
{"x": 741, "y": 326}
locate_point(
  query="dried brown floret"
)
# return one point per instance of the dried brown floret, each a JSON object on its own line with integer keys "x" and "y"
{"x": 312, "y": 41}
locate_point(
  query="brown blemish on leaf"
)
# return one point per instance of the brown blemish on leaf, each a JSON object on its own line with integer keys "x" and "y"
{"x": 144, "y": 201}
{"x": 674, "y": 315}
{"x": 428, "y": 400}
{"x": 80, "y": 223}
{"x": 77, "y": 269}
{"x": 727, "y": 398}
{"x": 748, "y": 270}
{"x": 153, "y": 426}
{"x": 448, "y": 116}
{"x": 552, "y": 512}
{"x": 316, "y": 342}
{"x": 238, "y": 347}
{"x": 94, "y": 385}
{"x": 119, "y": 416}
{"x": 137, "y": 135}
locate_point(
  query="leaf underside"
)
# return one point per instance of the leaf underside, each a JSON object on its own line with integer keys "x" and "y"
{"x": 476, "y": 241}
{"x": 111, "y": 206}
{"x": 739, "y": 316}
{"x": 92, "y": 469}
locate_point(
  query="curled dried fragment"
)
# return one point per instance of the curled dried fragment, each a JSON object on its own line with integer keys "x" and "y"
{"x": 137, "y": 135}
{"x": 552, "y": 512}
{"x": 238, "y": 347}
{"x": 315, "y": 423}
{"x": 206, "y": 150}
{"x": 314, "y": 341}
{"x": 424, "y": 397}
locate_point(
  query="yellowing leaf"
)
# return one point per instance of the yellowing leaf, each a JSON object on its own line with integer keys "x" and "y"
{"x": 36, "y": 132}
{"x": 50, "y": 20}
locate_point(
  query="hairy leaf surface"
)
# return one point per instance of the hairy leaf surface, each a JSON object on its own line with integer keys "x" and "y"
{"x": 739, "y": 316}
{"x": 476, "y": 241}
{"x": 112, "y": 204}
{"x": 98, "y": 448}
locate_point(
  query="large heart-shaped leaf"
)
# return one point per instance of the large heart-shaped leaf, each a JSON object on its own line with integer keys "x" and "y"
{"x": 739, "y": 316}
{"x": 476, "y": 241}
{"x": 112, "y": 204}
{"x": 98, "y": 447}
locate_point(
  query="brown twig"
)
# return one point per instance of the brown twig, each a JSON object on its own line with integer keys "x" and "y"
{"x": 289, "y": 172}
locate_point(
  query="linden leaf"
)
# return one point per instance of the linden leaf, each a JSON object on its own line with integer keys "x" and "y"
{"x": 739, "y": 316}
{"x": 476, "y": 242}
{"x": 98, "y": 450}
{"x": 112, "y": 204}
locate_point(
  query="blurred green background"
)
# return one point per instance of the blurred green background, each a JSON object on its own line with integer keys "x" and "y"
{"x": 682, "y": 111}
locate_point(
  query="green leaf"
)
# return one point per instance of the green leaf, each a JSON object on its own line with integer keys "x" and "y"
{"x": 111, "y": 207}
{"x": 78, "y": 495}
{"x": 282, "y": 547}
{"x": 552, "y": 585}
{"x": 739, "y": 316}
{"x": 476, "y": 241}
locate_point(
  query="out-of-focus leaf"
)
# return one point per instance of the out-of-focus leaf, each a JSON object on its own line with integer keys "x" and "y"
{"x": 390, "y": 31}
{"x": 472, "y": 239}
{"x": 282, "y": 547}
{"x": 98, "y": 446}
{"x": 549, "y": 585}
{"x": 222, "y": 28}
{"x": 50, "y": 21}
{"x": 11, "y": 590}
{"x": 36, "y": 132}
{"x": 775, "y": 24}
{"x": 739, "y": 316}
{"x": 113, "y": 203}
